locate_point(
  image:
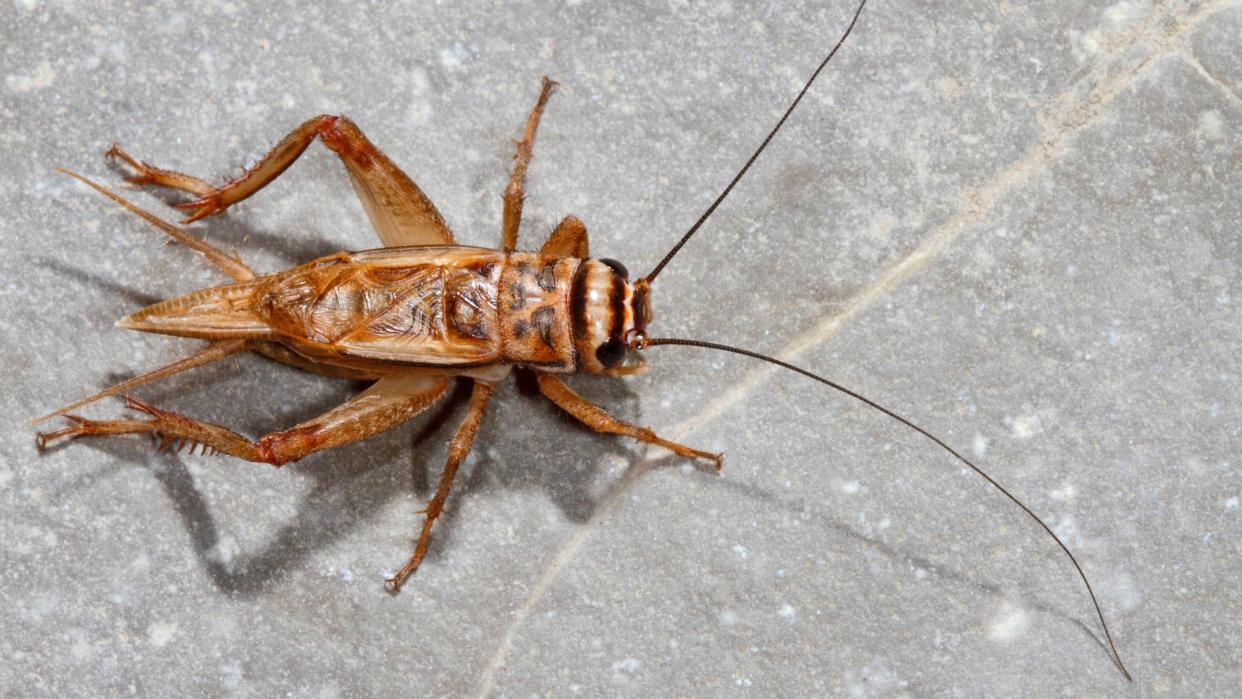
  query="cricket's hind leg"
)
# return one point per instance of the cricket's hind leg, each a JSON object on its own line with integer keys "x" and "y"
{"x": 599, "y": 420}
{"x": 230, "y": 264}
{"x": 386, "y": 404}
{"x": 399, "y": 211}
{"x": 458, "y": 449}
{"x": 515, "y": 192}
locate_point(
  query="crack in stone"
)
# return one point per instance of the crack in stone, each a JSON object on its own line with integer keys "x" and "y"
{"x": 1230, "y": 93}
{"x": 974, "y": 205}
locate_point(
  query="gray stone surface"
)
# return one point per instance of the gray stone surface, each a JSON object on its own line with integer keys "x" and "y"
{"x": 1019, "y": 224}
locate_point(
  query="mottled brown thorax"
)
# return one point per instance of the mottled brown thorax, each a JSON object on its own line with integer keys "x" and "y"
{"x": 535, "y": 318}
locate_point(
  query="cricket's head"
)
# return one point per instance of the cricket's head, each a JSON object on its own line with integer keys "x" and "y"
{"x": 610, "y": 316}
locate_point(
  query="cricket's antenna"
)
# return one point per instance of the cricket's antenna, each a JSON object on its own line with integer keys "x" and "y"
{"x": 645, "y": 342}
{"x": 711, "y": 209}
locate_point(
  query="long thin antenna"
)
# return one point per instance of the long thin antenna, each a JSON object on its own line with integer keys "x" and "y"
{"x": 711, "y": 209}
{"x": 939, "y": 442}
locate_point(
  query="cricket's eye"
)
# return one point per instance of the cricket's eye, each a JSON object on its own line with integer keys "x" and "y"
{"x": 617, "y": 267}
{"x": 610, "y": 352}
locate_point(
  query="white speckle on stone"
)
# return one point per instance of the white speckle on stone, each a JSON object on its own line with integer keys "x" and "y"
{"x": 881, "y": 227}
{"x": 420, "y": 82}
{"x": 39, "y": 609}
{"x": 728, "y": 617}
{"x": 788, "y": 612}
{"x": 980, "y": 446}
{"x": 1026, "y": 426}
{"x": 1085, "y": 44}
{"x": 1067, "y": 528}
{"x": 1122, "y": 15}
{"x": 27, "y": 5}
{"x": 920, "y": 573}
{"x": 161, "y": 633}
{"x": 81, "y": 648}
{"x": 1232, "y": 503}
{"x": 984, "y": 259}
{"x": 1065, "y": 493}
{"x": 948, "y": 86}
{"x": 232, "y": 675}
{"x": 615, "y": 463}
{"x": 872, "y": 680}
{"x": 6, "y": 473}
{"x": 224, "y": 552}
{"x": 1125, "y": 593}
{"x": 741, "y": 551}
{"x": 420, "y": 112}
{"x": 454, "y": 55}
{"x": 623, "y": 669}
{"x": 1211, "y": 126}
{"x": 1007, "y": 623}
{"x": 42, "y": 77}
{"x": 850, "y": 487}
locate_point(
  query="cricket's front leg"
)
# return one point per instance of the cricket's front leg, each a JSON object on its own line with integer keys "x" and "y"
{"x": 515, "y": 192}
{"x": 458, "y": 449}
{"x": 386, "y": 404}
{"x": 599, "y": 420}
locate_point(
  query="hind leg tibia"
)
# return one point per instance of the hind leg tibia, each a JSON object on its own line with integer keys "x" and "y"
{"x": 386, "y": 404}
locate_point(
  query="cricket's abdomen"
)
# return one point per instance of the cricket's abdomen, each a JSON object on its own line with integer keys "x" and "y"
{"x": 440, "y": 307}
{"x": 447, "y": 307}
{"x": 425, "y": 306}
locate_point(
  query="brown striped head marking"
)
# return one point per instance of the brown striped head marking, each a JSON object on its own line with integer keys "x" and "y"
{"x": 608, "y": 313}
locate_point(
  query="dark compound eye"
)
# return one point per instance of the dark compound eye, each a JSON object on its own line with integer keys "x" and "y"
{"x": 617, "y": 267}
{"x": 610, "y": 352}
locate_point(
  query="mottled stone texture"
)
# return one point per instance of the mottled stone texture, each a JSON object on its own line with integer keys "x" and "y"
{"x": 1018, "y": 223}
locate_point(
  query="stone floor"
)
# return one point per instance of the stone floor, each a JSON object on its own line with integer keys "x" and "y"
{"x": 1017, "y": 224}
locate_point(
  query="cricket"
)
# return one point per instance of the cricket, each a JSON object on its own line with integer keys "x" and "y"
{"x": 419, "y": 312}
